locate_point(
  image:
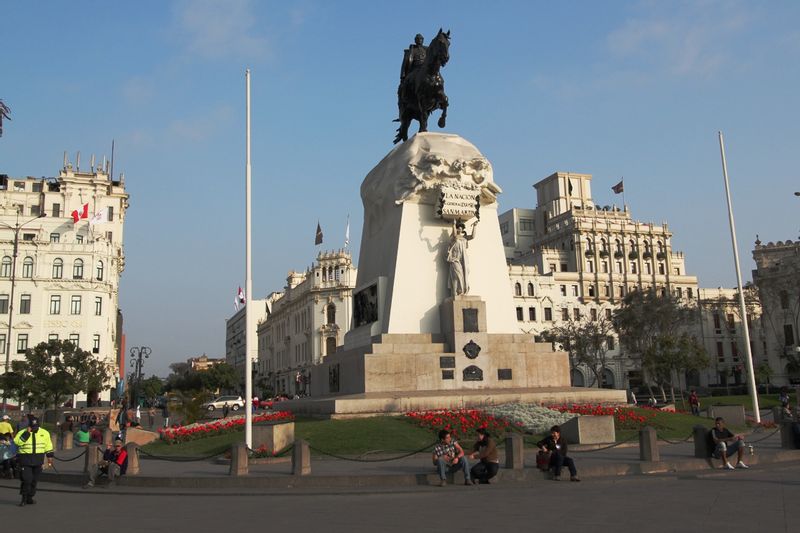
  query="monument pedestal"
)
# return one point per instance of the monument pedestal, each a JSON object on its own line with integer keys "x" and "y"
{"x": 413, "y": 344}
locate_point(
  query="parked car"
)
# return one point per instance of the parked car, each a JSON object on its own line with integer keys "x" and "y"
{"x": 234, "y": 403}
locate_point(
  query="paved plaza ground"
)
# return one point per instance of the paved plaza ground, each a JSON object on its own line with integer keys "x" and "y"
{"x": 760, "y": 499}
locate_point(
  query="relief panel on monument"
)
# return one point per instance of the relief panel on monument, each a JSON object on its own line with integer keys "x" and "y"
{"x": 365, "y": 306}
{"x": 472, "y": 350}
{"x": 504, "y": 374}
{"x": 448, "y": 374}
{"x": 447, "y": 361}
{"x": 470, "y": 320}
{"x": 473, "y": 373}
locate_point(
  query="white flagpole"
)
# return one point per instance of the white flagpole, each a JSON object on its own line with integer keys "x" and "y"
{"x": 248, "y": 287}
{"x": 751, "y": 379}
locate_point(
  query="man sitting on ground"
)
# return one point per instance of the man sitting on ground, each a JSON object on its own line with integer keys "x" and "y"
{"x": 448, "y": 456}
{"x": 485, "y": 450}
{"x": 726, "y": 443}
{"x": 114, "y": 464}
{"x": 557, "y": 446}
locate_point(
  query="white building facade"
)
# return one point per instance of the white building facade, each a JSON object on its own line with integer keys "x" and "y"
{"x": 307, "y": 322}
{"x": 65, "y": 278}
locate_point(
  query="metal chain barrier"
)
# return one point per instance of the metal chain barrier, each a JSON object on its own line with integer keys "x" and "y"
{"x": 277, "y": 454}
{"x": 72, "y": 459}
{"x": 762, "y": 438}
{"x": 183, "y": 459}
{"x": 359, "y": 460}
{"x": 680, "y": 441}
{"x": 629, "y": 439}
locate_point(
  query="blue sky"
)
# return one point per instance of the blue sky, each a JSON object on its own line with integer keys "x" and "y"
{"x": 633, "y": 89}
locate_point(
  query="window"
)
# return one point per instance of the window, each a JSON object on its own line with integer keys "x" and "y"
{"x": 593, "y": 314}
{"x": 548, "y": 314}
{"x": 788, "y": 335}
{"x": 56, "y": 210}
{"x": 3, "y": 343}
{"x": 563, "y": 290}
{"x": 55, "y": 237}
{"x": 608, "y": 314}
{"x": 75, "y": 305}
{"x": 95, "y": 343}
{"x": 679, "y": 292}
{"x": 331, "y": 314}
{"x": 619, "y": 267}
{"x": 720, "y": 352}
{"x": 22, "y": 343}
{"x": 564, "y": 267}
{"x": 5, "y": 267}
{"x": 590, "y": 265}
{"x": 25, "y": 304}
{"x": 109, "y": 236}
{"x": 3, "y": 304}
{"x": 526, "y": 224}
{"x": 19, "y": 185}
{"x": 28, "y": 237}
{"x": 717, "y": 323}
{"x": 532, "y": 314}
{"x": 75, "y": 339}
{"x": 610, "y": 344}
{"x": 576, "y": 312}
{"x": 517, "y": 289}
{"x": 574, "y": 290}
{"x": 633, "y": 267}
{"x": 55, "y": 304}
{"x": 689, "y": 293}
{"x": 35, "y": 210}
{"x": 79, "y": 239}
{"x": 58, "y": 268}
{"x": 677, "y": 271}
{"x": 27, "y": 267}
{"x": 552, "y": 267}
{"x": 621, "y": 291}
{"x": 99, "y": 271}
{"x": 530, "y": 289}
{"x": 591, "y": 291}
{"x": 606, "y": 290}
{"x": 647, "y": 267}
{"x": 735, "y": 351}
{"x": 565, "y": 314}
{"x": 784, "y": 300}
{"x": 52, "y": 337}
{"x": 519, "y": 314}
{"x": 604, "y": 266}
{"x": 98, "y": 305}
{"x": 110, "y": 213}
{"x": 77, "y": 269}
{"x": 661, "y": 269}
{"x": 504, "y": 228}
{"x": 731, "y": 322}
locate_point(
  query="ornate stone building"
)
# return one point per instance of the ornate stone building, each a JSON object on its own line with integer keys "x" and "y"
{"x": 306, "y": 322}
{"x": 777, "y": 277}
{"x": 570, "y": 258}
{"x": 65, "y": 276}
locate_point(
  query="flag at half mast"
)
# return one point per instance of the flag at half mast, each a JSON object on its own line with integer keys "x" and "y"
{"x": 619, "y": 187}
{"x": 318, "y": 238}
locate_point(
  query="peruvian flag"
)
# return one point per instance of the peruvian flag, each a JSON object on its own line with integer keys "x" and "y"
{"x": 78, "y": 214}
{"x": 240, "y": 299}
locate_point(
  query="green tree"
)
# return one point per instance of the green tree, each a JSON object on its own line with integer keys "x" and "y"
{"x": 54, "y": 370}
{"x": 672, "y": 356}
{"x": 221, "y": 376}
{"x": 764, "y": 373}
{"x": 586, "y": 343}
{"x": 151, "y": 388}
{"x": 649, "y": 324}
{"x": 188, "y": 404}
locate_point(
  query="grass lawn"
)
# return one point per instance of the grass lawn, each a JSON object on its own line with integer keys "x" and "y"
{"x": 764, "y": 401}
{"x": 342, "y": 437}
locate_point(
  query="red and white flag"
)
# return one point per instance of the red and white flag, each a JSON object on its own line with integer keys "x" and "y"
{"x": 78, "y": 214}
{"x": 99, "y": 217}
{"x": 240, "y": 299}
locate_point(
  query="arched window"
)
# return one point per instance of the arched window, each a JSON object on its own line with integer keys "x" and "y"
{"x": 608, "y": 379}
{"x": 58, "y": 268}
{"x": 647, "y": 247}
{"x": 99, "y": 271}
{"x": 77, "y": 269}
{"x": 617, "y": 245}
{"x": 603, "y": 245}
{"x": 576, "y": 376}
{"x": 330, "y": 345}
{"x": 517, "y": 289}
{"x": 5, "y": 268}
{"x": 660, "y": 246}
{"x": 632, "y": 244}
{"x": 27, "y": 267}
{"x": 530, "y": 289}
{"x": 331, "y": 314}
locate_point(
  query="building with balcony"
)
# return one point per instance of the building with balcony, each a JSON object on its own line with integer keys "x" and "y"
{"x": 66, "y": 272}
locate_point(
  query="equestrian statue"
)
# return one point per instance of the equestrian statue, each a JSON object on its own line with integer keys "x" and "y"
{"x": 421, "y": 89}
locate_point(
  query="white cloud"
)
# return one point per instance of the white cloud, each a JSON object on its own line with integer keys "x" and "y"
{"x": 220, "y": 29}
{"x": 201, "y": 127}
{"x": 138, "y": 91}
{"x": 681, "y": 39}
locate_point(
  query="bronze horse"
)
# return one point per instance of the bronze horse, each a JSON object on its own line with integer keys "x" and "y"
{"x": 422, "y": 91}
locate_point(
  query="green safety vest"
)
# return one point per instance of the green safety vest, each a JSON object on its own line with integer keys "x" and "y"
{"x": 36, "y": 443}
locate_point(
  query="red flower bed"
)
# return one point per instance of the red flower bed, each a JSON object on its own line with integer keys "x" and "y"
{"x": 178, "y": 434}
{"x": 460, "y": 423}
{"x": 624, "y": 417}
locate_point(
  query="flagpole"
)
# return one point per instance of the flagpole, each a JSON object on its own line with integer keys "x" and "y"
{"x": 751, "y": 379}
{"x": 248, "y": 285}
{"x": 623, "y": 194}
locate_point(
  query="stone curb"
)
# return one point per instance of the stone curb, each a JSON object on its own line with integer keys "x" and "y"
{"x": 519, "y": 478}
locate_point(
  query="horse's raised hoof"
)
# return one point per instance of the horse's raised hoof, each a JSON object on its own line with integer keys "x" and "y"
{"x": 442, "y": 122}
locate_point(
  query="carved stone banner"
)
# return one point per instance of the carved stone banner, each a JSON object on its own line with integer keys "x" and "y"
{"x": 458, "y": 203}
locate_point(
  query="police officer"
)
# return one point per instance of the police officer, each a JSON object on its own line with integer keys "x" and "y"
{"x": 34, "y": 444}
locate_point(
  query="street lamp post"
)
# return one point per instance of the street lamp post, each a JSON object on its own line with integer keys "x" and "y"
{"x": 137, "y": 353}
{"x": 15, "y": 228}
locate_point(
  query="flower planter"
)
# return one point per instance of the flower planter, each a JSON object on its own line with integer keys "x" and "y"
{"x": 273, "y": 437}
